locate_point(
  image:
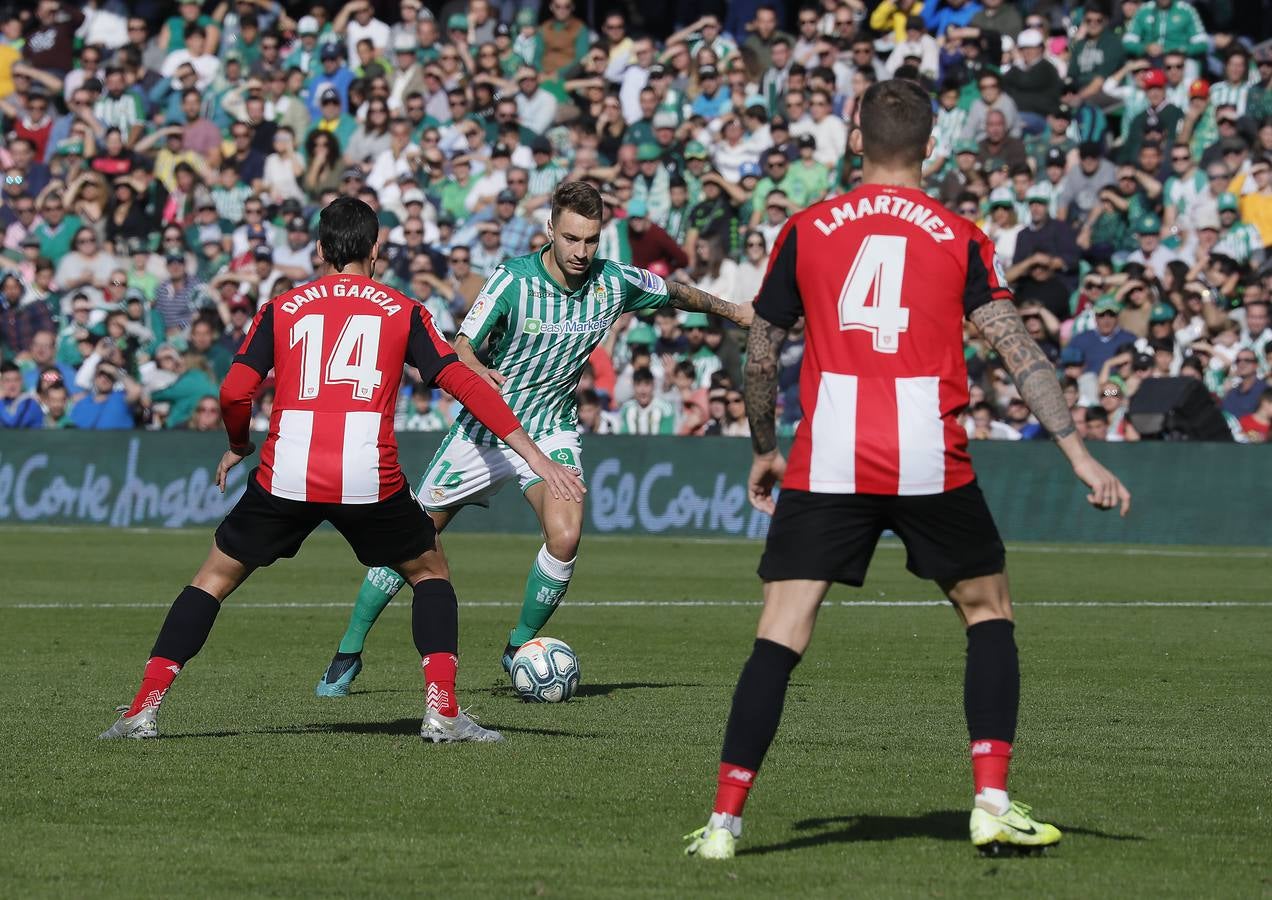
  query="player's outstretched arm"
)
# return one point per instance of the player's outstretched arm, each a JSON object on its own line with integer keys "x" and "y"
{"x": 692, "y": 299}
{"x": 1035, "y": 377}
{"x": 763, "y": 348}
{"x": 468, "y": 356}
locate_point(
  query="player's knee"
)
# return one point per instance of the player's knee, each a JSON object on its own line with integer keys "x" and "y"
{"x": 563, "y": 541}
{"x": 430, "y": 565}
{"x": 981, "y": 598}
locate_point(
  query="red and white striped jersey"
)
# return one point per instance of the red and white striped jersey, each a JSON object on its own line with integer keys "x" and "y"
{"x": 883, "y": 276}
{"x": 337, "y": 347}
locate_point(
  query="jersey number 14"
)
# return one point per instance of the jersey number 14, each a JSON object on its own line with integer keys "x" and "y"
{"x": 876, "y": 272}
{"x": 353, "y": 358}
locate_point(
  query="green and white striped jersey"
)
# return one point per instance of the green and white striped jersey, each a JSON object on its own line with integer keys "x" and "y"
{"x": 1241, "y": 242}
{"x": 542, "y": 334}
{"x": 656, "y": 418}
{"x": 1224, "y": 93}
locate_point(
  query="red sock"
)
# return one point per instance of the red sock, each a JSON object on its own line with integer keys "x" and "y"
{"x": 732, "y": 786}
{"x": 439, "y": 682}
{"x": 155, "y": 682}
{"x": 990, "y": 760}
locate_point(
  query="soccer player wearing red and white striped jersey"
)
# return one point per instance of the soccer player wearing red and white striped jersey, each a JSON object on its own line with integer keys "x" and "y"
{"x": 337, "y": 347}
{"x": 884, "y": 278}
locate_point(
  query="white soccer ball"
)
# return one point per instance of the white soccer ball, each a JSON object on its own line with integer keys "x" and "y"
{"x": 545, "y": 670}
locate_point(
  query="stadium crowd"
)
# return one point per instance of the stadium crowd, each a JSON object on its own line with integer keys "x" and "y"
{"x": 164, "y": 164}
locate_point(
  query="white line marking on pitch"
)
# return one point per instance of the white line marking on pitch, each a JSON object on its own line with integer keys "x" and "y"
{"x": 886, "y": 544}
{"x": 1064, "y": 604}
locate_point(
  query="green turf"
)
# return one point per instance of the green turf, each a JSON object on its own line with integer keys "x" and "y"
{"x": 1144, "y": 733}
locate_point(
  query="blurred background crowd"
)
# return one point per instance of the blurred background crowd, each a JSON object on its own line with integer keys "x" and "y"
{"x": 164, "y": 164}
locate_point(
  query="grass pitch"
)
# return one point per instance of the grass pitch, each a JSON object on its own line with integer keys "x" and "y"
{"x": 1144, "y": 731}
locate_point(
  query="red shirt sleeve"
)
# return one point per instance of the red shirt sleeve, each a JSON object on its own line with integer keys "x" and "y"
{"x": 986, "y": 280}
{"x": 237, "y": 391}
{"x": 427, "y": 350}
{"x": 478, "y": 397}
{"x": 257, "y": 349}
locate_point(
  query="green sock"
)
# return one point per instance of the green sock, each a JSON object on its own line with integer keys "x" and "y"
{"x": 377, "y": 590}
{"x": 547, "y": 583}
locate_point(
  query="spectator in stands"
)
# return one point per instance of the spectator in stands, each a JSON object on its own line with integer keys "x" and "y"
{"x": 1033, "y": 84}
{"x": 1106, "y": 340}
{"x": 1096, "y": 424}
{"x": 991, "y": 97}
{"x": 1246, "y": 388}
{"x": 650, "y": 244}
{"x": 193, "y": 382}
{"x": 207, "y": 414}
{"x": 592, "y": 418}
{"x": 109, "y": 404}
{"x": 1151, "y": 252}
{"x": 19, "y": 323}
{"x": 55, "y": 401}
{"x": 1255, "y": 427}
{"x": 645, "y": 413}
{"x": 17, "y": 409}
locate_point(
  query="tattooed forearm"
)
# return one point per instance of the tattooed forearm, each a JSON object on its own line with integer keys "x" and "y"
{"x": 763, "y": 345}
{"x": 1028, "y": 366}
{"x": 688, "y": 297}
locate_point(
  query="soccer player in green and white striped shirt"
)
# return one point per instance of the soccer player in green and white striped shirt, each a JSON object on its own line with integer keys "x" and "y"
{"x": 536, "y": 321}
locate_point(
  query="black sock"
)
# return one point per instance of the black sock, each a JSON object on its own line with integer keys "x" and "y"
{"x": 345, "y": 657}
{"x": 991, "y": 681}
{"x": 757, "y": 704}
{"x": 435, "y": 617}
{"x": 187, "y": 626}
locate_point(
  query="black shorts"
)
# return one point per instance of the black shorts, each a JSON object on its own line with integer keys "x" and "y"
{"x": 262, "y": 528}
{"x": 831, "y": 537}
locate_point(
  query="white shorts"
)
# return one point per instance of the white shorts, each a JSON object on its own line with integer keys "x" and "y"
{"x": 463, "y": 473}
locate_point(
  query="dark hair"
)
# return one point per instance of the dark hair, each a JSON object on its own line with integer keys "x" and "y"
{"x": 896, "y": 121}
{"x": 577, "y": 197}
{"x": 311, "y": 145}
{"x": 347, "y": 229}
{"x": 640, "y": 376}
{"x": 587, "y": 397}
{"x": 1097, "y": 414}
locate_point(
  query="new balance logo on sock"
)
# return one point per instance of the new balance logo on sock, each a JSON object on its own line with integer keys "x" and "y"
{"x": 741, "y": 775}
{"x": 990, "y": 747}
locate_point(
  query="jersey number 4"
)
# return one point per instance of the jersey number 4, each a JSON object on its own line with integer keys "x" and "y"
{"x": 353, "y": 358}
{"x": 876, "y": 272}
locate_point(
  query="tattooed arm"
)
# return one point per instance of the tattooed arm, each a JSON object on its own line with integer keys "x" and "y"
{"x": 687, "y": 297}
{"x": 1000, "y": 323}
{"x": 763, "y": 346}
{"x": 1035, "y": 377}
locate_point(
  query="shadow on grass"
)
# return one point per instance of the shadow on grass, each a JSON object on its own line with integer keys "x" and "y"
{"x": 604, "y": 690}
{"x": 943, "y": 825}
{"x": 394, "y": 727}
